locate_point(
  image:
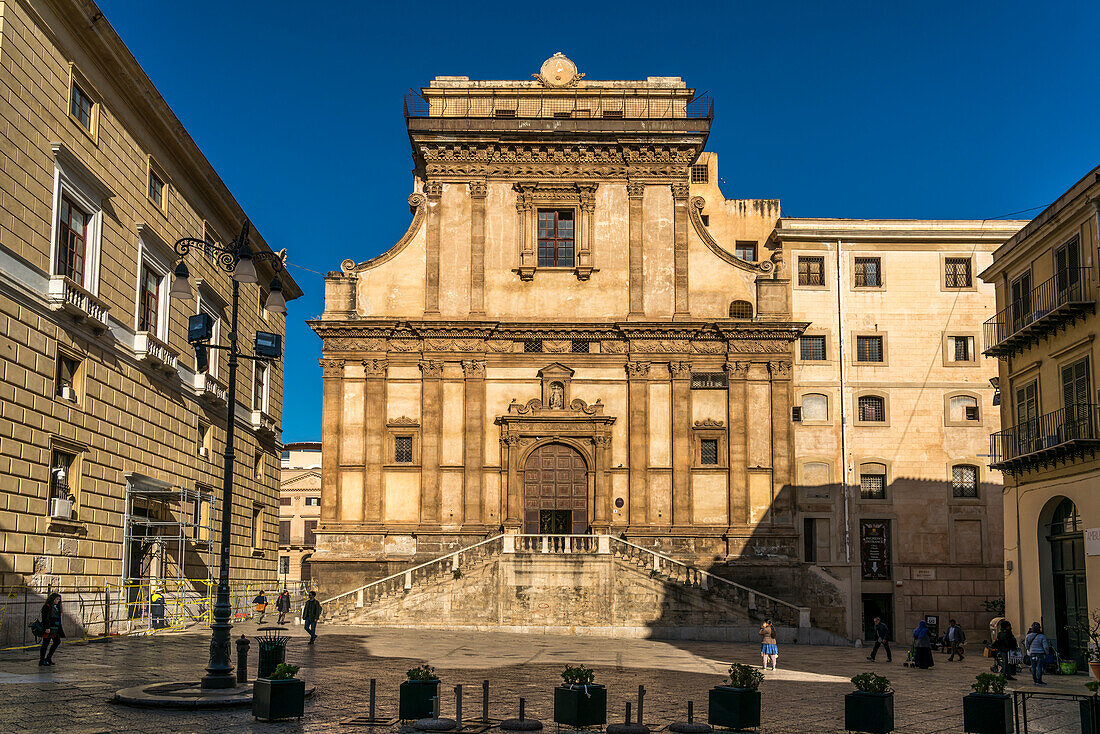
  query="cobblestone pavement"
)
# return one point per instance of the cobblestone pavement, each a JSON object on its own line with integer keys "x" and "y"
{"x": 804, "y": 695}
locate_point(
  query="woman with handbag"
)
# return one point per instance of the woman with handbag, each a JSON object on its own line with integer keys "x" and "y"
{"x": 51, "y": 629}
{"x": 1036, "y": 645}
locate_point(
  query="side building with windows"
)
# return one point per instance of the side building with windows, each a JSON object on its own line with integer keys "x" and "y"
{"x": 299, "y": 509}
{"x": 111, "y": 437}
{"x": 1043, "y": 335}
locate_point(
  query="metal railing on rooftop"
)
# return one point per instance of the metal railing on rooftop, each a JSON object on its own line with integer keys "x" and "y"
{"x": 490, "y": 104}
{"x": 1049, "y": 437}
{"x": 1052, "y": 302}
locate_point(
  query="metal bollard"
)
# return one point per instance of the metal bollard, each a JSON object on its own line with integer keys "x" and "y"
{"x": 628, "y": 712}
{"x": 372, "y": 683}
{"x": 458, "y": 705}
{"x": 641, "y": 696}
{"x": 435, "y": 707}
{"x": 485, "y": 702}
{"x": 242, "y": 659}
{"x": 522, "y": 705}
{"x": 691, "y": 712}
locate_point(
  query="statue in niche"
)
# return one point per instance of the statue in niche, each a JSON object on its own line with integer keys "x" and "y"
{"x": 557, "y": 396}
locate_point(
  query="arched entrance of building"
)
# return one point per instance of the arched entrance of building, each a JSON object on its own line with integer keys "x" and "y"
{"x": 1063, "y": 535}
{"x": 555, "y": 491}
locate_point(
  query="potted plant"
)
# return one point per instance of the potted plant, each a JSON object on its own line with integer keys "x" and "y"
{"x": 1092, "y": 631}
{"x": 988, "y": 710}
{"x": 415, "y": 694}
{"x": 280, "y": 695}
{"x": 578, "y": 701}
{"x": 737, "y": 705}
{"x": 870, "y": 708}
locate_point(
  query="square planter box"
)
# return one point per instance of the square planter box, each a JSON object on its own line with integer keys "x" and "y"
{"x": 278, "y": 699}
{"x": 415, "y": 699}
{"x": 987, "y": 713}
{"x": 871, "y": 713}
{"x": 734, "y": 708}
{"x": 1090, "y": 715}
{"x": 580, "y": 705}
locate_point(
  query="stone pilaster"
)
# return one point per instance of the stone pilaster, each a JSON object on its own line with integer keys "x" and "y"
{"x": 634, "y": 193}
{"x": 332, "y": 401}
{"x": 434, "y": 192}
{"x": 374, "y": 428}
{"x": 680, "y": 193}
{"x": 602, "y": 513}
{"x": 782, "y": 449}
{"x": 681, "y": 444}
{"x": 473, "y": 499}
{"x": 431, "y": 438}
{"x": 586, "y": 230}
{"x": 637, "y": 374}
{"x": 738, "y": 450}
{"x": 478, "y": 191}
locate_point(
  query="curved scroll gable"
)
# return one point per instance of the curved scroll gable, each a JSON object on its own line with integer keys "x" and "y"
{"x": 418, "y": 204}
{"x": 696, "y": 208}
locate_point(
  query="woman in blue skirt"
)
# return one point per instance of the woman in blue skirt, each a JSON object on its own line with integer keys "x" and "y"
{"x": 768, "y": 649}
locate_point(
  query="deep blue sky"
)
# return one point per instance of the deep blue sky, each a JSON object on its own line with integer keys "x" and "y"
{"x": 929, "y": 110}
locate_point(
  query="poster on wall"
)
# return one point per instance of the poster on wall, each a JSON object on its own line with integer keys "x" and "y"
{"x": 874, "y": 549}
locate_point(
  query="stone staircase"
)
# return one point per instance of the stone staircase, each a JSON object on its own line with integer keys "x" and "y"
{"x": 572, "y": 584}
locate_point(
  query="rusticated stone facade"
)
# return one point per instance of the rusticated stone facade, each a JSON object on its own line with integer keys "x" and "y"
{"x": 474, "y": 384}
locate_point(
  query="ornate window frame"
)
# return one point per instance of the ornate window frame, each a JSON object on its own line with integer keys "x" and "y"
{"x": 581, "y": 198}
{"x": 402, "y": 427}
{"x": 714, "y": 430}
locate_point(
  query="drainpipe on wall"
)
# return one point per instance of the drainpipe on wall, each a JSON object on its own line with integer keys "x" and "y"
{"x": 843, "y": 413}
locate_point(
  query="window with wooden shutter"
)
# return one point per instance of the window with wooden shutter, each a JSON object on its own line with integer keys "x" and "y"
{"x": 284, "y": 532}
{"x": 1076, "y": 399}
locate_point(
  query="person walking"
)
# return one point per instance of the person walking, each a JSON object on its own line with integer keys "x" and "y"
{"x": 1036, "y": 645}
{"x": 1004, "y": 644}
{"x": 282, "y": 605}
{"x": 311, "y": 612}
{"x": 955, "y": 638}
{"x": 882, "y": 637}
{"x": 261, "y": 605}
{"x": 52, "y": 632}
{"x": 922, "y": 646}
{"x": 769, "y": 650}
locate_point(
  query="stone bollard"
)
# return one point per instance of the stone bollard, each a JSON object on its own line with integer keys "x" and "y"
{"x": 242, "y": 659}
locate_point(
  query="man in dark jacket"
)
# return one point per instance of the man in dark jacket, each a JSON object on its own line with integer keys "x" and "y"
{"x": 882, "y": 637}
{"x": 310, "y": 614}
{"x": 955, "y": 638}
{"x": 1004, "y": 644}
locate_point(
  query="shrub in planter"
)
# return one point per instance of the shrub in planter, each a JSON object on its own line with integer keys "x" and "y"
{"x": 280, "y": 695}
{"x": 1090, "y": 710}
{"x": 737, "y": 705}
{"x": 578, "y": 701}
{"x": 988, "y": 710}
{"x": 870, "y": 708}
{"x": 415, "y": 695}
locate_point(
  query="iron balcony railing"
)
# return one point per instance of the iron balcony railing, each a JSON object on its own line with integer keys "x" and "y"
{"x": 488, "y": 104}
{"x": 1055, "y": 301}
{"x": 1050, "y": 437}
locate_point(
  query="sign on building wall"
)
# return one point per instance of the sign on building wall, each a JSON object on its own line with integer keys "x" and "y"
{"x": 874, "y": 545}
{"x": 1092, "y": 541}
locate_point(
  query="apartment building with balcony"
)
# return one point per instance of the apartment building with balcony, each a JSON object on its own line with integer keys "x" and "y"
{"x": 1044, "y": 338}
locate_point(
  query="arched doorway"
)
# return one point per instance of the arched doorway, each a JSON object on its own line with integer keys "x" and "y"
{"x": 555, "y": 491}
{"x": 1065, "y": 533}
{"x": 307, "y": 572}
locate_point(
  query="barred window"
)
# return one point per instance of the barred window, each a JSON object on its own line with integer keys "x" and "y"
{"x": 961, "y": 348}
{"x": 708, "y": 381}
{"x": 957, "y": 272}
{"x": 532, "y": 346}
{"x": 872, "y": 486}
{"x": 872, "y": 408}
{"x": 700, "y": 174}
{"x": 811, "y": 271}
{"x": 812, "y": 348}
{"x": 868, "y": 272}
{"x": 964, "y": 480}
{"x": 579, "y": 346}
{"x": 868, "y": 348}
{"x": 740, "y": 310}
{"x": 403, "y": 449}
{"x": 708, "y": 451}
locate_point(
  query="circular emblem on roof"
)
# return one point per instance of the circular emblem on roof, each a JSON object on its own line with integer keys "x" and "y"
{"x": 558, "y": 71}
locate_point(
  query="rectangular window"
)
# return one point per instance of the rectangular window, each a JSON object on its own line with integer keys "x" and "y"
{"x": 872, "y": 486}
{"x": 964, "y": 481}
{"x": 532, "y": 346}
{"x": 961, "y": 348}
{"x": 872, "y": 408}
{"x": 156, "y": 190}
{"x": 149, "y": 299}
{"x": 868, "y": 348}
{"x": 285, "y": 501}
{"x": 708, "y": 451}
{"x": 258, "y": 464}
{"x": 1067, "y": 271}
{"x": 257, "y": 527}
{"x": 746, "y": 251}
{"x": 613, "y": 114}
{"x": 68, "y": 370}
{"x": 812, "y": 348}
{"x": 708, "y": 381}
{"x": 579, "y": 346}
{"x": 504, "y": 112}
{"x": 815, "y": 540}
{"x": 259, "y": 386}
{"x": 957, "y": 272}
{"x": 1021, "y": 302}
{"x": 1075, "y": 400}
{"x": 81, "y": 107}
{"x": 310, "y": 536}
{"x": 71, "y": 241}
{"x": 971, "y": 412}
{"x": 403, "y": 449}
{"x": 204, "y": 439}
{"x": 284, "y": 532}
{"x": 811, "y": 271}
{"x": 700, "y": 174}
{"x": 62, "y": 475}
{"x": 313, "y": 501}
{"x": 868, "y": 272}
{"x": 555, "y": 238}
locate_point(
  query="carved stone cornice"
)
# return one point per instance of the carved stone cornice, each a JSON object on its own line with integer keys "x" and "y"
{"x": 695, "y": 210}
{"x": 417, "y": 204}
{"x": 433, "y": 189}
{"x": 431, "y": 369}
{"x": 332, "y": 368}
{"x": 473, "y": 368}
{"x": 374, "y": 367}
{"x": 478, "y": 189}
{"x": 709, "y": 423}
{"x": 403, "y": 421}
{"x": 534, "y": 406}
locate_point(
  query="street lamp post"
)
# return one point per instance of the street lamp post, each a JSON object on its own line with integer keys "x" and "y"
{"x": 238, "y": 259}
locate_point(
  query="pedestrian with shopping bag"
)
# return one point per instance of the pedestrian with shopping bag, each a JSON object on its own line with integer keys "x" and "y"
{"x": 261, "y": 605}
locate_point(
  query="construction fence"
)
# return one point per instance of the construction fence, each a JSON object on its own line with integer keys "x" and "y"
{"x": 134, "y": 608}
